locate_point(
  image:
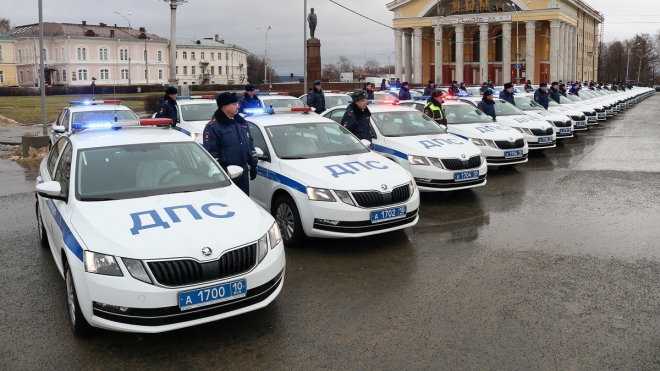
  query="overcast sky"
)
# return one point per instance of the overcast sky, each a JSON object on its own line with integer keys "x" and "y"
{"x": 340, "y": 32}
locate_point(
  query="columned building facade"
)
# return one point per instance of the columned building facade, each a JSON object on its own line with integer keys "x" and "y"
{"x": 473, "y": 41}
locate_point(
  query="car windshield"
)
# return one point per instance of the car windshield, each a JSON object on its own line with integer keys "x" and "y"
{"x": 301, "y": 141}
{"x": 385, "y": 96}
{"x": 473, "y": 91}
{"x": 283, "y": 103}
{"x": 333, "y": 101}
{"x": 405, "y": 124}
{"x": 141, "y": 170}
{"x": 103, "y": 116}
{"x": 527, "y": 104}
{"x": 564, "y": 100}
{"x": 465, "y": 114}
{"x": 574, "y": 98}
{"x": 550, "y": 102}
{"x": 198, "y": 111}
{"x": 503, "y": 108}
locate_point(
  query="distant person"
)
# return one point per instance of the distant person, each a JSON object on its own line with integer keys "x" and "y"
{"x": 383, "y": 85}
{"x": 528, "y": 87}
{"x": 404, "y": 92}
{"x": 541, "y": 95}
{"x": 430, "y": 88}
{"x": 167, "y": 106}
{"x": 453, "y": 89}
{"x": 316, "y": 97}
{"x": 397, "y": 83}
{"x": 463, "y": 88}
{"x": 249, "y": 100}
{"x": 490, "y": 85}
{"x": 370, "y": 91}
{"x": 562, "y": 90}
{"x": 484, "y": 87}
{"x": 554, "y": 91}
{"x": 507, "y": 93}
{"x": 487, "y": 104}
{"x": 575, "y": 89}
{"x": 357, "y": 117}
{"x": 434, "y": 109}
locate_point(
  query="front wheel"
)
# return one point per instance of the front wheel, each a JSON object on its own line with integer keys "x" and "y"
{"x": 79, "y": 325}
{"x": 288, "y": 219}
{"x": 43, "y": 239}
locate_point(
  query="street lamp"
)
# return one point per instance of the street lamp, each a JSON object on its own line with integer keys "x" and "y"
{"x": 628, "y": 65}
{"x": 129, "y": 43}
{"x": 389, "y": 65}
{"x": 173, "y": 5}
{"x": 265, "y": 51}
{"x": 513, "y": 6}
{"x": 639, "y": 72}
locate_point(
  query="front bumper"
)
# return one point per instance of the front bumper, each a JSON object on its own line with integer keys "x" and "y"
{"x": 434, "y": 179}
{"x": 495, "y": 157}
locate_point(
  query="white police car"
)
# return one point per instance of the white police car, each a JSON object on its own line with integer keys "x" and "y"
{"x": 149, "y": 232}
{"x": 88, "y": 110}
{"x": 332, "y": 98}
{"x": 538, "y": 134}
{"x": 280, "y": 100}
{"x": 578, "y": 119}
{"x": 193, "y": 113}
{"x": 562, "y": 124}
{"x": 319, "y": 180}
{"x": 438, "y": 161}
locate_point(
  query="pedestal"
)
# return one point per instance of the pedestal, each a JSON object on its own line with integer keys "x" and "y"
{"x": 313, "y": 61}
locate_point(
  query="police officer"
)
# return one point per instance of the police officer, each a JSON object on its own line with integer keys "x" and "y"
{"x": 249, "y": 100}
{"x": 575, "y": 89}
{"x": 453, "y": 89}
{"x": 430, "y": 88}
{"x": 227, "y": 138}
{"x": 490, "y": 84}
{"x": 507, "y": 93}
{"x": 528, "y": 87}
{"x": 541, "y": 95}
{"x": 484, "y": 87}
{"x": 357, "y": 116}
{"x": 562, "y": 90}
{"x": 316, "y": 98}
{"x": 404, "y": 92}
{"x": 167, "y": 106}
{"x": 554, "y": 91}
{"x": 463, "y": 88}
{"x": 434, "y": 109}
{"x": 487, "y": 104}
{"x": 370, "y": 91}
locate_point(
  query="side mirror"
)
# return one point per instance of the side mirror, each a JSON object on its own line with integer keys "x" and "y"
{"x": 52, "y": 190}
{"x": 234, "y": 171}
{"x": 259, "y": 152}
{"x": 366, "y": 143}
{"x": 59, "y": 129}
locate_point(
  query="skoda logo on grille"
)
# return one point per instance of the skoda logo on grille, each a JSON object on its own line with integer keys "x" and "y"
{"x": 511, "y": 139}
{"x": 462, "y": 155}
{"x": 384, "y": 187}
{"x": 206, "y": 251}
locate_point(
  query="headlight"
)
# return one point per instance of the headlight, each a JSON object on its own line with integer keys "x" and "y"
{"x": 477, "y": 142}
{"x": 345, "y": 197}
{"x": 274, "y": 235}
{"x": 411, "y": 186}
{"x": 551, "y": 123}
{"x": 417, "y": 160}
{"x": 262, "y": 248}
{"x": 101, "y": 264}
{"x": 136, "y": 269}
{"x": 320, "y": 194}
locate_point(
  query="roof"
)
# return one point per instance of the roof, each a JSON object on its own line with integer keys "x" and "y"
{"x": 125, "y": 136}
{"x": 52, "y": 29}
{"x": 206, "y": 44}
{"x": 5, "y": 37}
{"x": 287, "y": 119}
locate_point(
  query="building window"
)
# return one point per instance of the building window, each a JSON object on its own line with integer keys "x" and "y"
{"x": 123, "y": 54}
{"x": 81, "y": 54}
{"x": 103, "y": 54}
{"x": 105, "y": 74}
{"x": 219, "y": 70}
{"x": 176, "y": 55}
{"x": 57, "y": 57}
{"x": 160, "y": 56}
{"x": 201, "y": 55}
{"x": 124, "y": 74}
{"x": 453, "y": 50}
{"x": 219, "y": 56}
{"x": 177, "y": 70}
{"x": 499, "y": 47}
{"x": 82, "y": 74}
{"x": 144, "y": 55}
{"x": 185, "y": 55}
{"x": 0, "y": 52}
{"x": 62, "y": 54}
{"x": 2, "y": 77}
{"x": 192, "y": 70}
{"x": 185, "y": 70}
{"x": 160, "y": 74}
{"x": 192, "y": 55}
{"x": 20, "y": 76}
{"x": 212, "y": 56}
{"x": 212, "y": 69}
{"x": 63, "y": 75}
{"x": 44, "y": 55}
{"x": 20, "y": 55}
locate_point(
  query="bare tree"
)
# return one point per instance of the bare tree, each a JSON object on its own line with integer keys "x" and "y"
{"x": 371, "y": 66}
{"x": 331, "y": 71}
{"x": 643, "y": 52}
{"x": 5, "y": 25}
{"x": 255, "y": 70}
{"x": 345, "y": 64}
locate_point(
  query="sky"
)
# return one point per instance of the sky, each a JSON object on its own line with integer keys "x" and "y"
{"x": 340, "y": 31}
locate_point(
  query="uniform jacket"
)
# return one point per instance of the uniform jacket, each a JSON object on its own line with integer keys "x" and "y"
{"x": 554, "y": 94}
{"x": 507, "y": 97}
{"x": 541, "y": 97}
{"x": 528, "y": 88}
{"x": 247, "y": 102}
{"x": 453, "y": 90}
{"x": 404, "y": 94}
{"x": 575, "y": 91}
{"x": 370, "y": 94}
{"x": 435, "y": 111}
{"x": 357, "y": 121}
{"x": 487, "y": 106}
{"x": 167, "y": 109}
{"x": 428, "y": 90}
{"x": 316, "y": 99}
{"x": 229, "y": 141}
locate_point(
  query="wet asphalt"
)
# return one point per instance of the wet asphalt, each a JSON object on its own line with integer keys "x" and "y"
{"x": 554, "y": 264}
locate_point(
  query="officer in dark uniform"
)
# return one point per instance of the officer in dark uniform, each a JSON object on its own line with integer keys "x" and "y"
{"x": 404, "y": 92}
{"x": 430, "y": 88}
{"x": 316, "y": 98}
{"x": 541, "y": 95}
{"x": 462, "y": 88}
{"x": 227, "y": 138}
{"x": 453, "y": 89}
{"x": 562, "y": 90}
{"x": 554, "y": 91}
{"x": 507, "y": 93}
{"x": 357, "y": 116}
{"x": 370, "y": 91}
{"x": 575, "y": 89}
{"x": 487, "y": 104}
{"x": 249, "y": 100}
{"x": 483, "y": 88}
{"x": 434, "y": 109}
{"x": 167, "y": 106}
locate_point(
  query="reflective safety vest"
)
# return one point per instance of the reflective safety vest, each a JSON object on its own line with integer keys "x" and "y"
{"x": 438, "y": 112}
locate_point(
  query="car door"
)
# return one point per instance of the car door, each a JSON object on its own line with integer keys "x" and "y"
{"x": 61, "y": 210}
{"x": 260, "y": 186}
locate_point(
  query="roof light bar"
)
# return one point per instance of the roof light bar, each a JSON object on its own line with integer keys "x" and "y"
{"x": 335, "y": 91}
{"x": 270, "y": 111}
{"x": 419, "y": 97}
{"x": 120, "y": 124}
{"x": 93, "y": 102}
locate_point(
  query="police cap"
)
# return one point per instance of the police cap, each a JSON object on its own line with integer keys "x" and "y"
{"x": 359, "y": 95}
{"x": 171, "y": 90}
{"x": 226, "y": 98}
{"x": 249, "y": 87}
{"x": 543, "y": 85}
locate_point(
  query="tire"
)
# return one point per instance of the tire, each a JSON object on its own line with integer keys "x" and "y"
{"x": 43, "y": 238}
{"x": 79, "y": 325}
{"x": 288, "y": 219}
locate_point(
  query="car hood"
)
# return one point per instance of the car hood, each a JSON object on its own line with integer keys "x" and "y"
{"x": 492, "y": 131}
{"x": 547, "y": 115}
{"x": 360, "y": 172}
{"x": 193, "y": 220}
{"x": 437, "y": 145}
{"x": 523, "y": 121}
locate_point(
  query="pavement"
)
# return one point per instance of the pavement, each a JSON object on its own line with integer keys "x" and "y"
{"x": 11, "y": 135}
{"x": 554, "y": 264}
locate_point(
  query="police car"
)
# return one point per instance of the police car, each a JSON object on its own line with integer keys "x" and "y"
{"x": 149, "y": 233}
{"x": 562, "y": 123}
{"x": 89, "y": 111}
{"x": 598, "y": 109}
{"x": 589, "y": 113}
{"x": 439, "y": 161}
{"x": 538, "y": 134}
{"x": 332, "y": 98}
{"x": 319, "y": 180}
{"x": 280, "y": 100}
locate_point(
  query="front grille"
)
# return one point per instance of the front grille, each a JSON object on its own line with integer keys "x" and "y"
{"x": 578, "y": 118}
{"x": 458, "y": 164}
{"x": 189, "y": 272}
{"x": 375, "y": 199}
{"x": 539, "y": 132}
{"x": 590, "y": 114}
{"x": 599, "y": 110}
{"x": 503, "y": 144}
{"x": 562, "y": 124}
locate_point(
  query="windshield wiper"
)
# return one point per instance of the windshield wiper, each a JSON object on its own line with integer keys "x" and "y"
{"x": 97, "y": 199}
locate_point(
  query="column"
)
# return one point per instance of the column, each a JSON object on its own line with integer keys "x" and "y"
{"x": 572, "y": 53}
{"x": 417, "y": 64}
{"x": 560, "y": 54}
{"x": 460, "y": 33}
{"x": 565, "y": 54}
{"x": 398, "y": 53}
{"x": 506, "y": 52}
{"x": 438, "y": 54}
{"x": 554, "y": 48}
{"x": 407, "y": 44}
{"x": 483, "y": 51}
{"x": 530, "y": 53}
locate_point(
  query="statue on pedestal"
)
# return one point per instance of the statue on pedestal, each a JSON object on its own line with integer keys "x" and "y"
{"x": 311, "y": 19}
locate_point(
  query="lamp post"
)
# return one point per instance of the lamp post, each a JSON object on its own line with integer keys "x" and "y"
{"x": 265, "y": 51}
{"x": 129, "y": 43}
{"x": 42, "y": 77}
{"x": 172, "y": 81}
{"x": 639, "y": 72}
{"x": 513, "y": 6}
{"x": 628, "y": 64}
{"x": 389, "y": 65}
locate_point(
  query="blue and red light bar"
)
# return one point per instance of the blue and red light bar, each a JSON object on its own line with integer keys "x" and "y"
{"x": 96, "y": 125}
{"x": 270, "y": 111}
{"x": 206, "y": 96}
{"x": 94, "y": 102}
{"x": 272, "y": 93}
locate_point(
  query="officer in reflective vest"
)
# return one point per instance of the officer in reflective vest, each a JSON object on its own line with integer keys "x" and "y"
{"x": 434, "y": 109}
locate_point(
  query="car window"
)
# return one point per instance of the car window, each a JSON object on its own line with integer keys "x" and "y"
{"x": 503, "y": 108}
{"x": 142, "y": 170}
{"x": 197, "y": 112}
{"x": 258, "y": 138}
{"x": 66, "y": 121}
{"x": 465, "y": 114}
{"x": 283, "y": 103}
{"x": 527, "y": 104}
{"x": 102, "y": 116}
{"x": 403, "y": 124}
{"x": 314, "y": 140}
{"x": 60, "y": 118}
{"x": 54, "y": 154}
{"x": 334, "y": 101}
{"x": 564, "y": 100}
{"x": 336, "y": 116}
{"x": 63, "y": 170}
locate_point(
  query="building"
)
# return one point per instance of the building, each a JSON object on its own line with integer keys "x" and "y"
{"x": 7, "y": 61}
{"x": 479, "y": 40}
{"x": 210, "y": 62}
{"x": 77, "y": 54}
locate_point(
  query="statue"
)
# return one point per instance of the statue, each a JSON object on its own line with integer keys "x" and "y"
{"x": 483, "y": 5}
{"x": 311, "y": 19}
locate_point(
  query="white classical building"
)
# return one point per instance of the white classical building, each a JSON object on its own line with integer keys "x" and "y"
{"x": 210, "y": 62}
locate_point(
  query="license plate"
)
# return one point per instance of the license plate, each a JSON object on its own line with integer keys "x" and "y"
{"x": 466, "y": 175}
{"x": 513, "y": 154}
{"x": 592, "y": 118}
{"x": 601, "y": 115}
{"x": 609, "y": 111}
{"x": 388, "y": 214}
{"x": 545, "y": 139}
{"x": 580, "y": 123}
{"x": 565, "y": 130}
{"x": 212, "y": 294}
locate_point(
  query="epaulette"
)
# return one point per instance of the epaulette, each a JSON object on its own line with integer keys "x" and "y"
{"x": 210, "y": 123}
